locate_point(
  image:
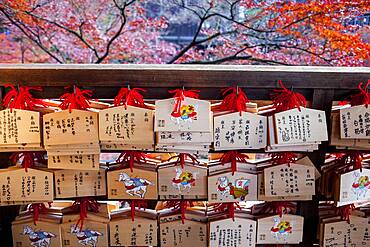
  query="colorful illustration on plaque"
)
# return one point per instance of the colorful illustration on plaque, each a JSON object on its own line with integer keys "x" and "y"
{"x": 360, "y": 185}
{"x": 134, "y": 186}
{"x": 186, "y": 113}
{"x": 238, "y": 190}
{"x": 183, "y": 180}
{"x": 38, "y": 238}
{"x": 86, "y": 237}
{"x": 281, "y": 229}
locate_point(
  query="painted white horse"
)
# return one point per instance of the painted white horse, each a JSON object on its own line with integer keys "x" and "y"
{"x": 360, "y": 185}
{"x": 86, "y": 237}
{"x": 38, "y": 238}
{"x": 281, "y": 229}
{"x": 183, "y": 179}
{"x": 134, "y": 186}
{"x": 223, "y": 185}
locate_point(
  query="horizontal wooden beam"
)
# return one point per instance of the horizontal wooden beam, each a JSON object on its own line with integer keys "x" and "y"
{"x": 191, "y": 76}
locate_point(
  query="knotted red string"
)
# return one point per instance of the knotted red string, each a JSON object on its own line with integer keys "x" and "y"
{"x": 180, "y": 205}
{"x": 234, "y": 100}
{"x": 84, "y": 205}
{"x": 279, "y": 208}
{"x": 21, "y": 99}
{"x": 130, "y": 97}
{"x": 361, "y": 98}
{"x": 140, "y": 204}
{"x": 182, "y": 157}
{"x": 76, "y": 100}
{"x": 351, "y": 160}
{"x": 233, "y": 157}
{"x": 346, "y": 211}
{"x": 284, "y": 99}
{"x": 180, "y": 94}
{"x": 36, "y": 209}
{"x": 130, "y": 157}
{"x": 28, "y": 159}
{"x": 228, "y": 207}
{"x": 280, "y": 158}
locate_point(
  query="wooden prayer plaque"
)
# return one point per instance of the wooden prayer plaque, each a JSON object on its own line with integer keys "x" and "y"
{"x": 263, "y": 197}
{"x": 190, "y": 182}
{"x": 44, "y": 233}
{"x": 18, "y": 185}
{"x": 74, "y": 162}
{"x": 300, "y": 126}
{"x": 228, "y": 233}
{"x": 287, "y": 180}
{"x": 93, "y": 234}
{"x": 126, "y": 185}
{"x": 79, "y": 183}
{"x": 133, "y": 125}
{"x": 275, "y": 230}
{"x": 194, "y": 115}
{"x": 232, "y": 131}
{"x": 354, "y": 187}
{"x": 19, "y": 127}
{"x": 191, "y": 233}
{"x": 76, "y": 127}
{"x": 226, "y": 187}
{"x": 355, "y": 122}
{"x": 140, "y": 232}
{"x": 342, "y": 233}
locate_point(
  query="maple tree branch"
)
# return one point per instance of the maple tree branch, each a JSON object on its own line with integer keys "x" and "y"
{"x": 119, "y": 31}
{"x": 34, "y": 39}
{"x": 79, "y": 34}
{"x": 190, "y": 45}
{"x": 318, "y": 55}
{"x": 232, "y": 6}
{"x": 49, "y": 38}
{"x": 203, "y": 18}
{"x": 238, "y": 58}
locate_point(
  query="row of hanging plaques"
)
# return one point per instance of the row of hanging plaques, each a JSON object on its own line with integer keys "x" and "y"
{"x": 57, "y": 227}
{"x": 214, "y": 182}
{"x": 130, "y": 128}
{"x": 179, "y": 124}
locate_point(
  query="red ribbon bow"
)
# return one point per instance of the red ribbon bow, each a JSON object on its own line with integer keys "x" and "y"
{"x": 36, "y": 209}
{"x": 75, "y": 100}
{"x": 361, "y": 98}
{"x": 182, "y": 157}
{"x": 233, "y": 157}
{"x": 351, "y": 159}
{"x": 180, "y": 205}
{"x": 346, "y": 211}
{"x": 139, "y": 203}
{"x": 235, "y": 100}
{"x": 131, "y": 97}
{"x": 21, "y": 100}
{"x": 283, "y": 158}
{"x": 279, "y": 208}
{"x": 83, "y": 205}
{"x": 130, "y": 157}
{"x": 28, "y": 159}
{"x": 180, "y": 94}
{"x": 284, "y": 99}
{"x": 228, "y": 207}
